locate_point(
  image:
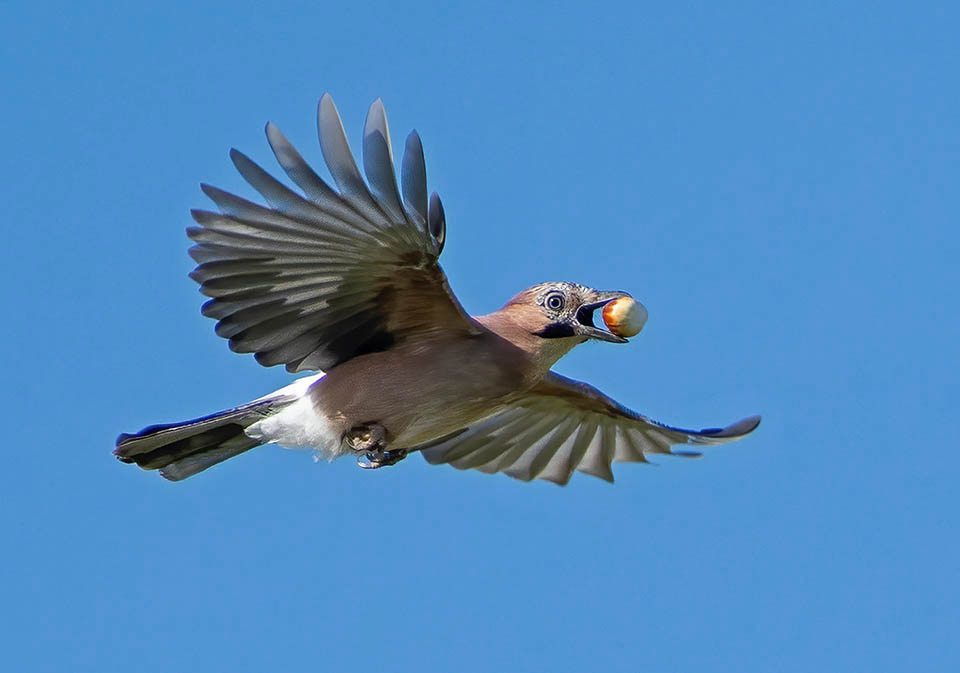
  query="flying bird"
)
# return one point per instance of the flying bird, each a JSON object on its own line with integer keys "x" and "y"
{"x": 346, "y": 282}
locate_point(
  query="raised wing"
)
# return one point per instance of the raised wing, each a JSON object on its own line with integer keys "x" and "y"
{"x": 320, "y": 277}
{"x": 563, "y": 425}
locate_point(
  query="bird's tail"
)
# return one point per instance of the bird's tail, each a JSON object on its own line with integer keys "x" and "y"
{"x": 181, "y": 450}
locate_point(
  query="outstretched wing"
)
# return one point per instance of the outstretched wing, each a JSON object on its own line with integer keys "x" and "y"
{"x": 317, "y": 278}
{"x": 563, "y": 425}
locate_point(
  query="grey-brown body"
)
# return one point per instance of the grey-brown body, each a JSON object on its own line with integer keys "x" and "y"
{"x": 410, "y": 391}
{"x": 347, "y": 281}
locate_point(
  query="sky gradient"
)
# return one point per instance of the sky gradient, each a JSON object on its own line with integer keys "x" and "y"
{"x": 776, "y": 183}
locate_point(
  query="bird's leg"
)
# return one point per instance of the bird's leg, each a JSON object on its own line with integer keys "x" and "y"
{"x": 370, "y": 439}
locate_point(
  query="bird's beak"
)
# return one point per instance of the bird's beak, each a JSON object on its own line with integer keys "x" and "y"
{"x": 585, "y": 325}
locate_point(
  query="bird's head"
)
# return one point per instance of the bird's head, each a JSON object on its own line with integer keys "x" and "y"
{"x": 565, "y": 312}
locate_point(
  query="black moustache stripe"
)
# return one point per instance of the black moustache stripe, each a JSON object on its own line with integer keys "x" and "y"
{"x": 556, "y": 330}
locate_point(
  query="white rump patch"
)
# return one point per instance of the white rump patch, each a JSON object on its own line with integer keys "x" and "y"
{"x": 299, "y": 426}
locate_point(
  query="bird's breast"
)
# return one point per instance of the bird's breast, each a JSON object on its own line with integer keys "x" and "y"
{"x": 423, "y": 393}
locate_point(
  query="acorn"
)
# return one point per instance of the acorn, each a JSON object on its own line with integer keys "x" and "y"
{"x": 625, "y": 316}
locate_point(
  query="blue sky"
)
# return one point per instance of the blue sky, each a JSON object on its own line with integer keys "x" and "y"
{"x": 776, "y": 182}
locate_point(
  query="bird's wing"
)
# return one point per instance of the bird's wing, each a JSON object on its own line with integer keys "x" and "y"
{"x": 317, "y": 278}
{"x": 563, "y": 425}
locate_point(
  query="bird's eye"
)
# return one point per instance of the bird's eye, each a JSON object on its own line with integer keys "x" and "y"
{"x": 554, "y": 301}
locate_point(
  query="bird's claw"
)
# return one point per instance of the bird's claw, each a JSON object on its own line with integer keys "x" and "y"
{"x": 377, "y": 459}
{"x": 369, "y": 440}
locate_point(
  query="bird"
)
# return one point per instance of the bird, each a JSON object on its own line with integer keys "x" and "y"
{"x": 344, "y": 280}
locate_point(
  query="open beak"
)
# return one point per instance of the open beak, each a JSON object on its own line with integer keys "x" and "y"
{"x": 585, "y": 325}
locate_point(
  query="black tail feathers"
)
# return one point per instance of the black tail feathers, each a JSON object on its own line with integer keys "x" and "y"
{"x": 181, "y": 450}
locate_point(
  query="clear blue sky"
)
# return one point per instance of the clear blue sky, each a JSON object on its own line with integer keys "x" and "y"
{"x": 776, "y": 182}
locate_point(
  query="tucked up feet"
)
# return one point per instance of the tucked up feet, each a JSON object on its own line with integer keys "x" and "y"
{"x": 366, "y": 438}
{"x": 370, "y": 439}
{"x": 374, "y": 460}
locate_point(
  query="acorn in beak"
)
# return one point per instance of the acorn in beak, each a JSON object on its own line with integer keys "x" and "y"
{"x": 622, "y": 315}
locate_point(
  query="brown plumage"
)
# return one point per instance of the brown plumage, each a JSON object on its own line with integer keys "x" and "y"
{"x": 347, "y": 280}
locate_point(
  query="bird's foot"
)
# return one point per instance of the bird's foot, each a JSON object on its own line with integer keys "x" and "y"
{"x": 370, "y": 439}
{"x": 378, "y": 459}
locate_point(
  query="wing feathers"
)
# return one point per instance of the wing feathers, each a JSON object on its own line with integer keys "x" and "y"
{"x": 564, "y": 462}
{"x": 318, "y": 277}
{"x": 562, "y": 426}
{"x": 596, "y": 461}
{"x": 339, "y": 158}
{"x": 414, "y": 179}
{"x": 299, "y": 170}
{"x": 475, "y": 451}
{"x": 378, "y": 162}
{"x": 495, "y": 459}
{"x": 630, "y": 450}
{"x": 437, "y": 220}
{"x": 525, "y": 467}
{"x": 539, "y": 459}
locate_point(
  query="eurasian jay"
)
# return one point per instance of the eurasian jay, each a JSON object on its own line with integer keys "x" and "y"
{"x": 346, "y": 281}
